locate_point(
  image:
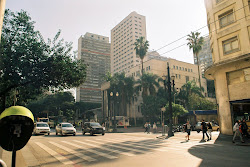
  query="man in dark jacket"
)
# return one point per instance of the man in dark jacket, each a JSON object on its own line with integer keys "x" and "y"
{"x": 244, "y": 128}
{"x": 204, "y": 130}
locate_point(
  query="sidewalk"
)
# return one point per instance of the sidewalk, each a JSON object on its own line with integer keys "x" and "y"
{"x": 227, "y": 139}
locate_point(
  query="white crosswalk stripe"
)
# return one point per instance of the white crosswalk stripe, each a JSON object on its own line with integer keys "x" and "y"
{"x": 106, "y": 147}
{"x": 103, "y": 148}
{"x": 59, "y": 157}
{"x": 82, "y": 156}
{"x": 91, "y": 150}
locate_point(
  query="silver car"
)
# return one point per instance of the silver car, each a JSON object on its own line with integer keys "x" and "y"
{"x": 65, "y": 129}
{"x": 41, "y": 128}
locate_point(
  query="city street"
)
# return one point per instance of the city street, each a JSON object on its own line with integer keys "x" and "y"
{"x": 128, "y": 149}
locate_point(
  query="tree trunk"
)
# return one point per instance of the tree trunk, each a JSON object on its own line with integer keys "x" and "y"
{"x": 141, "y": 66}
{"x": 198, "y": 70}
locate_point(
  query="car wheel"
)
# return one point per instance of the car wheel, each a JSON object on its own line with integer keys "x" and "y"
{"x": 198, "y": 131}
{"x": 48, "y": 134}
{"x": 74, "y": 134}
{"x": 56, "y": 133}
{"x": 83, "y": 133}
{"x": 103, "y": 134}
{"x": 91, "y": 133}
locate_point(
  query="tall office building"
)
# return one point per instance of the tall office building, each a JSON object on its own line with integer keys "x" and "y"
{"x": 95, "y": 51}
{"x": 205, "y": 55}
{"x": 123, "y": 37}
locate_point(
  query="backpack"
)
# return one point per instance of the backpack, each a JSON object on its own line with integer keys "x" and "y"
{"x": 234, "y": 128}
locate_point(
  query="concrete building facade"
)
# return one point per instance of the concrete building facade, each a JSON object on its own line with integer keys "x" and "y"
{"x": 229, "y": 33}
{"x": 205, "y": 55}
{"x": 95, "y": 51}
{"x": 123, "y": 37}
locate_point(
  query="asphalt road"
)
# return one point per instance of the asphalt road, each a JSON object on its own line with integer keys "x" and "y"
{"x": 128, "y": 149}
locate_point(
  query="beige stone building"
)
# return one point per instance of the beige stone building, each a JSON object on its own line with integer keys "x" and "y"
{"x": 183, "y": 72}
{"x": 229, "y": 32}
{"x": 123, "y": 37}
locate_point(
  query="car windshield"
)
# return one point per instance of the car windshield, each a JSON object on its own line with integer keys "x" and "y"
{"x": 95, "y": 124}
{"x": 67, "y": 125}
{"x": 42, "y": 125}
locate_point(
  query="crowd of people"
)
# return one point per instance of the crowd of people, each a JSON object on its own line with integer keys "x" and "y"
{"x": 240, "y": 129}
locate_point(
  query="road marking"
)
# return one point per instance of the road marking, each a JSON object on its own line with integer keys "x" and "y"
{"x": 122, "y": 147}
{"x": 93, "y": 151}
{"x": 59, "y": 157}
{"x": 80, "y": 155}
{"x": 103, "y": 148}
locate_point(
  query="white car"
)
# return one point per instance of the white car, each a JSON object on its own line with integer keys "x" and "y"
{"x": 65, "y": 128}
{"x": 41, "y": 128}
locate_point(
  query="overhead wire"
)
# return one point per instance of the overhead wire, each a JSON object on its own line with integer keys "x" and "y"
{"x": 197, "y": 30}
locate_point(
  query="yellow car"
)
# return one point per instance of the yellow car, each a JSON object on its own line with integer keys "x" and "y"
{"x": 215, "y": 127}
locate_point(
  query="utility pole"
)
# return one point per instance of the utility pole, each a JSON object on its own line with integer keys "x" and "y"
{"x": 170, "y": 132}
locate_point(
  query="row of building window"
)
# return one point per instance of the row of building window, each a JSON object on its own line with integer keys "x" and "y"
{"x": 182, "y": 68}
{"x": 126, "y": 21}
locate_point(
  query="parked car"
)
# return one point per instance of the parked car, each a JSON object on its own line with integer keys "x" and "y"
{"x": 215, "y": 127}
{"x": 92, "y": 128}
{"x": 65, "y": 129}
{"x": 41, "y": 128}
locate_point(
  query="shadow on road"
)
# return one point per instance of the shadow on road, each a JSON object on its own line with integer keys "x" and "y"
{"x": 221, "y": 153}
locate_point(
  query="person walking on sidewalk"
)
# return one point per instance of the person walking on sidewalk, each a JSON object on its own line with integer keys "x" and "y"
{"x": 244, "y": 128}
{"x": 148, "y": 128}
{"x": 188, "y": 130}
{"x": 237, "y": 132}
{"x": 154, "y": 127}
{"x": 210, "y": 129}
{"x": 204, "y": 130}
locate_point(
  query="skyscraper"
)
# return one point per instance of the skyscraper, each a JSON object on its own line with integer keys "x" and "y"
{"x": 95, "y": 51}
{"x": 123, "y": 37}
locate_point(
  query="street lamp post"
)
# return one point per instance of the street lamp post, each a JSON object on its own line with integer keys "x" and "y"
{"x": 114, "y": 108}
{"x": 170, "y": 132}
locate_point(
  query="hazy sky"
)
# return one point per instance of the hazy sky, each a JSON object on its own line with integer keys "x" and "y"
{"x": 166, "y": 20}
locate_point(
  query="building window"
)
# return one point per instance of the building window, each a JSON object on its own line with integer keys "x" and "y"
{"x": 185, "y": 69}
{"x": 148, "y": 67}
{"x": 230, "y": 45}
{"x": 174, "y": 67}
{"x": 187, "y": 79}
{"x": 226, "y": 18}
{"x": 176, "y": 76}
{"x": 179, "y": 76}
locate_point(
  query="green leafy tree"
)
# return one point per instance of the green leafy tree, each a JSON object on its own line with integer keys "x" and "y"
{"x": 125, "y": 87}
{"x": 178, "y": 110}
{"x": 141, "y": 48}
{"x": 29, "y": 65}
{"x": 210, "y": 88}
{"x": 151, "y": 108}
{"x": 186, "y": 91}
{"x": 199, "y": 103}
{"x": 195, "y": 43}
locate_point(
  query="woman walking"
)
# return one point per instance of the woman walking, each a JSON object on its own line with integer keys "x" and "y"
{"x": 188, "y": 129}
{"x": 236, "y": 130}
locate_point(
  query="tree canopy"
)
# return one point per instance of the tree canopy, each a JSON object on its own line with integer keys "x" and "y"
{"x": 29, "y": 65}
{"x": 141, "y": 48}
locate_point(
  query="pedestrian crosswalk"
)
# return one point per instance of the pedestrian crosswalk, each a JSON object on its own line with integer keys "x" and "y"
{"x": 92, "y": 150}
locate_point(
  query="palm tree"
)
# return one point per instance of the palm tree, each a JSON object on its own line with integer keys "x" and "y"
{"x": 125, "y": 87}
{"x": 195, "y": 43}
{"x": 141, "y": 48}
{"x": 148, "y": 83}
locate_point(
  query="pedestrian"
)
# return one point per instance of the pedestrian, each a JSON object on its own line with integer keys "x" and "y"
{"x": 210, "y": 129}
{"x": 187, "y": 129}
{"x": 244, "y": 128}
{"x": 204, "y": 130}
{"x": 236, "y": 130}
{"x": 154, "y": 127}
{"x": 148, "y": 129}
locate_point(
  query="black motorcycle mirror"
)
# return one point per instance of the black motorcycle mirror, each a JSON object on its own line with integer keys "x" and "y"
{"x": 16, "y": 126}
